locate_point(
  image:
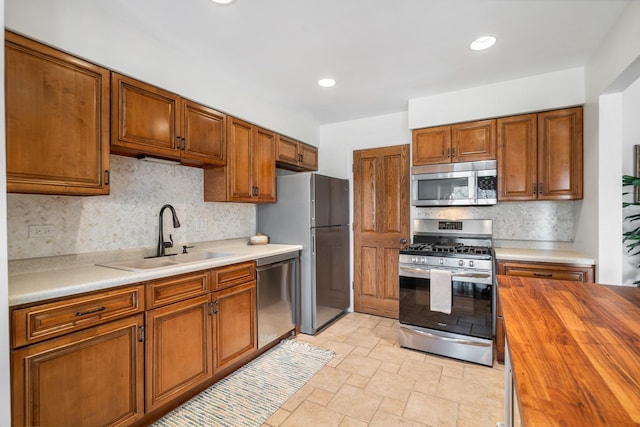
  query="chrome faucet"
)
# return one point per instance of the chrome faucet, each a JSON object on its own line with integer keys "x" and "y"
{"x": 162, "y": 245}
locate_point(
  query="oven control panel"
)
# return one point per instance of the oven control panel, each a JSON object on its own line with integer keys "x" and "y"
{"x": 435, "y": 262}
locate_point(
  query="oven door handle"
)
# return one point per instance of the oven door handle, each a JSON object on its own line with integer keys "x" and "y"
{"x": 454, "y": 275}
{"x": 455, "y": 340}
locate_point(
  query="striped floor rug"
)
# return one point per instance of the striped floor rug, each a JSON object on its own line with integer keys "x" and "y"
{"x": 249, "y": 396}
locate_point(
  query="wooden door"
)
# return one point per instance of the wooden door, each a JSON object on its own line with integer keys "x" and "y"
{"x": 204, "y": 134}
{"x": 235, "y": 324}
{"x": 88, "y": 378}
{"x": 240, "y": 140}
{"x": 517, "y": 157}
{"x": 263, "y": 175}
{"x": 473, "y": 141}
{"x": 381, "y": 226}
{"x": 560, "y": 154}
{"x": 179, "y": 349}
{"x": 431, "y": 145}
{"x": 57, "y": 121}
{"x": 144, "y": 118}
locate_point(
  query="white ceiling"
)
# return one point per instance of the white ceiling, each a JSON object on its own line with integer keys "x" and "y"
{"x": 381, "y": 53}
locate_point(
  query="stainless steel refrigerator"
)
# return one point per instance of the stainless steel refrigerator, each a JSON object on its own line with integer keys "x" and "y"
{"x": 313, "y": 210}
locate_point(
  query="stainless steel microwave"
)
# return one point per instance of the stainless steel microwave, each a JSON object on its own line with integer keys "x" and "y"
{"x": 455, "y": 184}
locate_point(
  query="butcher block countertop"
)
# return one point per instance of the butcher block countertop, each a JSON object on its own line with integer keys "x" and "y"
{"x": 575, "y": 351}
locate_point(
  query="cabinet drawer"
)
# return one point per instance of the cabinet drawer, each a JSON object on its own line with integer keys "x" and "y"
{"x": 177, "y": 288}
{"x": 44, "y": 321}
{"x": 575, "y": 273}
{"x": 224, "y": 277}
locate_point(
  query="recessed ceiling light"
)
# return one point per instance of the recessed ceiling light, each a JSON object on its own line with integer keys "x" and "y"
{"x": 326, "y": 82}
{"x": 222, "y": 1}
{"x": 484, "y": 42}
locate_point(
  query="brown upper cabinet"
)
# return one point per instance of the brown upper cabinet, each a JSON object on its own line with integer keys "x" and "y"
{"x": 57, "y": 121}
{"x": 295, "y": 155}
{"x": 147, "y": 120}
{"x": 250, "y": 173}
{"x": 540, "y": 156}
{"x": 462, "y": 142}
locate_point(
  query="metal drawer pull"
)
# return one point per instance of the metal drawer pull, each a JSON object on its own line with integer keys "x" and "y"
{"x": 456, "y": 340}
{"x": 95, "y": 310}
{"x": 543, "y": 274}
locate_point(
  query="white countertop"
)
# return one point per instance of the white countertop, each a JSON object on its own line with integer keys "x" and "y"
{"x": 567, "y": 256}
{"x": 34, "y": 286}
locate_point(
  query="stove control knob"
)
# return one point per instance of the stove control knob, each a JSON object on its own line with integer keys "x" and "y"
{"x": 470, "y": 263}
{"x": 461, "y": 262}
{"x": 423, "y": 260}
{"x": 413, "y": 259}
{"x": 441, "y": 261}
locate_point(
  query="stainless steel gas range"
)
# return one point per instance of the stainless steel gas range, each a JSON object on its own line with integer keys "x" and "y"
{"x": 457, "y": 256}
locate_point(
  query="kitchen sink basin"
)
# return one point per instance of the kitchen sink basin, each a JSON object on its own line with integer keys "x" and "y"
{"x": 198, "y": 256}
{"x": 163, "y": 262}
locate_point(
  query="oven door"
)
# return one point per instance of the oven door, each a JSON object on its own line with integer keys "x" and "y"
{"x": 471, "y": 309}
{"x": 444, "y": 189}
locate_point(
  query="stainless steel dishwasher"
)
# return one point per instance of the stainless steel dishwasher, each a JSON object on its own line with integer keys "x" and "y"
{"x": 277, "y": 296}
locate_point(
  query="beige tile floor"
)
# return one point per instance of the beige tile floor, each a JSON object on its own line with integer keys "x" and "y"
{"x": 372, "y": 381}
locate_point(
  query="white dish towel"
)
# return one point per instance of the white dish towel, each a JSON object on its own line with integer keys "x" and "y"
{"x": 441, "y": 291}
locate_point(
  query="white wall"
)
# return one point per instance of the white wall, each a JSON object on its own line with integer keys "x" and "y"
{"x": 534, "y": 93}
{"x": 611, "y": 70}
{"x": 630, "y": 138}
{"x": 5, "y": 395}
{"x": 119, "y": 42}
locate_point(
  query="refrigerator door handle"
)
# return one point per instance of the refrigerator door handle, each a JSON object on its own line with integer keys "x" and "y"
{"x": 313, "y": 244}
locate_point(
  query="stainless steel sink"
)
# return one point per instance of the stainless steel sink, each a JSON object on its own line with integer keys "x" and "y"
{"x": 163, "y": 262}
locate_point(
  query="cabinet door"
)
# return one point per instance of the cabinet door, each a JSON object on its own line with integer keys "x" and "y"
{"x": 287, "y": 150}
{"x": 88, "y": 378}
{"x": 473, "y": 141}
{"x": 308, "y": 157}
{"x": 560, "y": 154}
{"x": 431, "y": 146}
{"x": 264, "y": 166}
{"x": 179, "y": 349}
{"x": 517, "y": 157}
{"x": 239, "y": 163}
{"x": 235, "y": 324}
{"x": 204, "y": 135}
{"x": 57, "y": 121}
{"x": 144, "y": 119}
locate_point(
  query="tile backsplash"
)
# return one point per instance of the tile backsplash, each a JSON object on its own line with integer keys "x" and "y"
{"x": 128, "y": 217}
{"x": 539, "y": 221}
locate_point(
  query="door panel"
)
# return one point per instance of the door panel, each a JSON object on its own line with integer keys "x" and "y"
{"x": 517, "y": 157}
{"x": 332, "y": 272}
{"x": 334, "y": 194}
{"x": 381, "y": 225}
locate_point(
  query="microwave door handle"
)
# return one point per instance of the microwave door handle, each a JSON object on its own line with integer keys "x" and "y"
{"x": 473, "y": 188}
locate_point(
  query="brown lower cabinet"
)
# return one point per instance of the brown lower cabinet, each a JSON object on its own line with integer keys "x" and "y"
{"x": 89, "y": 378}
{"x": 556, "y": 271}
{"x": 121, "y": 368}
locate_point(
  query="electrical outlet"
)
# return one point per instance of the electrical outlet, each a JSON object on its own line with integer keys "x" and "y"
{"x": 41, "y": 230}
{"x": 201, "y": 224}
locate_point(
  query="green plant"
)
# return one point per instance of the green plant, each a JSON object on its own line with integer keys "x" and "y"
{"x": 632, "y": 236}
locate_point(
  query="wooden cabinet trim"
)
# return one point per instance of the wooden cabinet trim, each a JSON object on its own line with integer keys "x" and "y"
{"x": 43, "y": 321}
{"x": 177, "y": 288}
